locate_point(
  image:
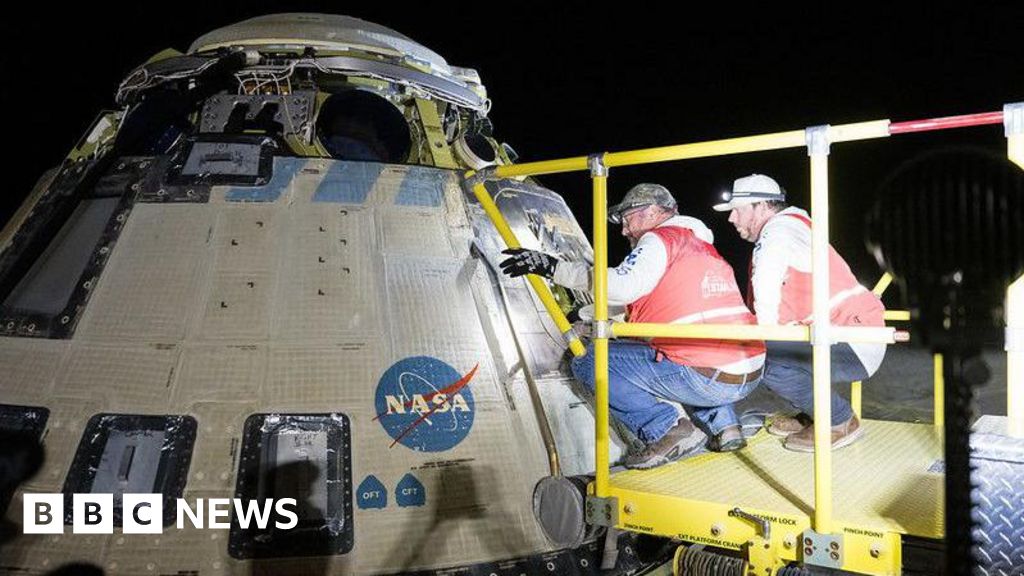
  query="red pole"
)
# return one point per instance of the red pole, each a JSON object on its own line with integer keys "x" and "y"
{"x": 947, "y": 122}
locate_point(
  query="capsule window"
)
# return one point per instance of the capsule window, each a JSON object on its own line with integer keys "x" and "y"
{"x": 48, "y": 285}
{"x": 133, "y": 454}
{"x": 360, "y": 126}
{"x": 306, "y": 457}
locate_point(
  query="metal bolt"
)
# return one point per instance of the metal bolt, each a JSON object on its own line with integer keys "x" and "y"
{"x": 135, "y": 187}
{"x": 876, "y": 551}
{"x": 808, "y": 551}
{"x": 808, "y": 542}
{"x": 834, "y": 556}
{"x": 716, "y": 529}
{"x": 628, "y": 508}
{"x": 834, "y": 545}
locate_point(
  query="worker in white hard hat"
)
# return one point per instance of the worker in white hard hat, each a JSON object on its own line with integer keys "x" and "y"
{"x": 672, "y": 275}
{"x": 780, "y": 293}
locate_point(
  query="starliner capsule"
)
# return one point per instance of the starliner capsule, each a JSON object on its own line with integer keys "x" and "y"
{"x": 263, "y": 275}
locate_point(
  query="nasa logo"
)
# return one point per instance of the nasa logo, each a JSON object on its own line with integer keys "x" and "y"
{"x": 425, "y": 404}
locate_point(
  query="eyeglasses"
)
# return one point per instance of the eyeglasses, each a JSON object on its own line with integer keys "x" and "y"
{"x": 620, "y": 216}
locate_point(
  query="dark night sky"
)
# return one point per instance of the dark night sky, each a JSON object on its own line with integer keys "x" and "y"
{"x": 572, "y": 80}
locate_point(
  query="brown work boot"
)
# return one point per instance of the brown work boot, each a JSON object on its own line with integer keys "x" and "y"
{"x": 783, "y": 425}
{"x": 842, "y": 435}
{"x": 730, "y": 439}
{"x": 680, "y": 440}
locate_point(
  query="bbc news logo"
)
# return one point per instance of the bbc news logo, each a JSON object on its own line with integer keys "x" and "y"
{"x": 144, "y": 513}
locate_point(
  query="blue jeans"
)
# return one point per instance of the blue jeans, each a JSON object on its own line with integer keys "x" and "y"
{"x": 788, "y": 373}
{"x": 639, "y": 386}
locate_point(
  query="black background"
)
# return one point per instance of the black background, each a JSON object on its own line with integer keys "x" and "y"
{"x": 571, "y": 79}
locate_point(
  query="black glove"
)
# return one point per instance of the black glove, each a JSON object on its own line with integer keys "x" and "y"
{"x": 522, "y": 261}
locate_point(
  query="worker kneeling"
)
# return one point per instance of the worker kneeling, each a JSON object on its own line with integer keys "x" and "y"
{"x": 673, "y": 275}
{"x": 780, "y": 281}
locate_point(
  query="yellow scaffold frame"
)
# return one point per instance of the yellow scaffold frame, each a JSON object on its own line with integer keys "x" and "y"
{"x": 817, "y": 140}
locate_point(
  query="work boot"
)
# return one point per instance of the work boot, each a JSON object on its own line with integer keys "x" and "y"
{"x": 680, "y": 440}
{"x": 782, "y": 425}
{"x": 842, "y": 435}
{"x": 729, "y": 439}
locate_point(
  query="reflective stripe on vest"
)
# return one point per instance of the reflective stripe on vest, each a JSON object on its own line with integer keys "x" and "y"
{"x": 698, "y": 287}
{"x": 850, "y": 304}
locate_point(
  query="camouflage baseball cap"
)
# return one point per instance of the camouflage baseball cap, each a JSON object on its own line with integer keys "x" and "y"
{"x": 642, "y": 195}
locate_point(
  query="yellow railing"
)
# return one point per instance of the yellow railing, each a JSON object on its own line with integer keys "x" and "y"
{"x": 817, "y": 140}
{"x": 536, "y": 282}
{"x": 856, "y": 388}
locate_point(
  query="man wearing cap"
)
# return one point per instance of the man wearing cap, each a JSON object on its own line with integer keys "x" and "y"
{"x": 673, "y": 275}
{"x": 780, "y": 290}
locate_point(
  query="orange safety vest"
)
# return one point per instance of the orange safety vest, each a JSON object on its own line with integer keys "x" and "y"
{"x": 698, "y": 287}
{"x": 850, "y": 304}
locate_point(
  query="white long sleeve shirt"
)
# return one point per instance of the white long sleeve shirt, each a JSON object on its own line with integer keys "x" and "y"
{"x": 639, "y": 273}
{"x": 784, "y": 246}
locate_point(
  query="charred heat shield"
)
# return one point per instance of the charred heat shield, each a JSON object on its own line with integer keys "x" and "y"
{"x": 134, "y": 454}
{"x": 302, "y": 456}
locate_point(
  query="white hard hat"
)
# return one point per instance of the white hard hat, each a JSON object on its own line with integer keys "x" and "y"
{"x": 751, "y": 190}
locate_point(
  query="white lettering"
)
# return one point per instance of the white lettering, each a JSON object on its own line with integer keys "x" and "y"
{"x": 196, "y": 517}
{"x": 395, "y": 404}
{"x": 419, "y": 404}
{"x": 459, "y": 403}
{"x": 243, "y": 514}
{"x": 144, "y": 513}
{"x": 214, "y": 512}
{"x": 282, "y": 511}
{"x": 441, "y": 403}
